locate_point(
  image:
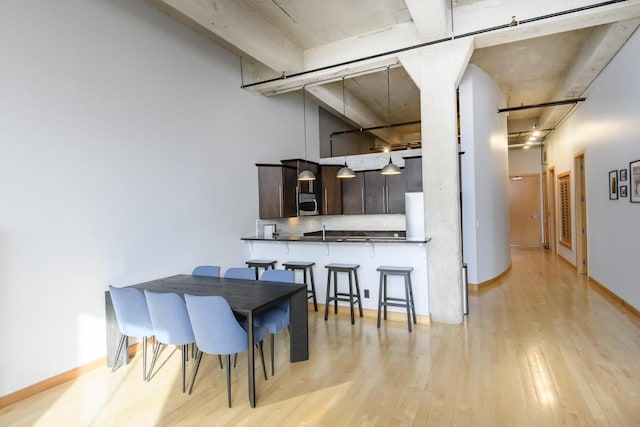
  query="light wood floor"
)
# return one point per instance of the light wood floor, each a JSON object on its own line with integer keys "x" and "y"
{"x": 539, "y": 348}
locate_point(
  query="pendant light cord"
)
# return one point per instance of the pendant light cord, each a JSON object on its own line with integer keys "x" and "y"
{"x": 388, "y": 99}
{"x": 304, "y": 119}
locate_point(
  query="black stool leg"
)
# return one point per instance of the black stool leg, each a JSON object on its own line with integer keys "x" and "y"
{"x": 335, "y": 292}
{"x": 406, "y": 295}
{"x": 257, "y": 272}
{"x": 413, "y": 306}
{"x": 351, "y": 298}
{"x": 355, "y": 276}
{"x": 385, "y": 296}
{"x": 326, "y": 305}
{"x": 313, "y": 288}
{"x": 380, "y": 298}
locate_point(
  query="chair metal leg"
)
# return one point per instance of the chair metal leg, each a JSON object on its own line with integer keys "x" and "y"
{"x": 195, "y": 371}
{"x": 272, "y": 343}
{"x": 123, "y": 338}
{"x": 229, "y": 379}
{"x": 185, "y": 356}
{"x": 220, "y": 360}
{"x": 144, "y": 358}
{"x": 264, "y": 368}
{"x": 156, "y": 352}
{"x": 235, "y": 359}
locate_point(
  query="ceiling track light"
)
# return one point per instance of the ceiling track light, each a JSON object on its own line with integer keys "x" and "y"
{"x": 390, "y": 168}
{"x": 305, "y": 174}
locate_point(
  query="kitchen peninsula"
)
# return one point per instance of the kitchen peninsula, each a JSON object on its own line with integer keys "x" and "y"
{"x": 370, "y": 241}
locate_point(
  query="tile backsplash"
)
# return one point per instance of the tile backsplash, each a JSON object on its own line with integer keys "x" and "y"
{"x": 300, "y": 225}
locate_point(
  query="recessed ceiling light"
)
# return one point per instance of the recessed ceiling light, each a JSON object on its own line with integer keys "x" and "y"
{"x": 526, "y": 147}
{"x": 532, "y": 138}
{"x": 536, "y": 133}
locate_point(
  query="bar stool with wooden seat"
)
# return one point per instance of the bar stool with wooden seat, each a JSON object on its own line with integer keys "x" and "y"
{"x": 351, "y": 270}
{"x": 407, "y": 301}
{"x": 261, "y": 263}
{"x": 304, "y": 266}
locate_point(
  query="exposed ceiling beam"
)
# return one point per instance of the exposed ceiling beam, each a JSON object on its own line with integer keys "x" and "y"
{"x": 241, "y": 27}
{"x": 384, "y": 40}
{"x": 527, "y": 14}
{"x": 431, "y": 18}
{"x": 603, "y": 44}
{"x": 393, "y": 38}
{"x": 323, "y": 76}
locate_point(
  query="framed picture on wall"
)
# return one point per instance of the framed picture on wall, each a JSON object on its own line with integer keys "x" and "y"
{"x": 623, "y": 175}
{"x": 623, "y": 191}
{"x": 634, "y": 182}
{"x": 613, "y": 185}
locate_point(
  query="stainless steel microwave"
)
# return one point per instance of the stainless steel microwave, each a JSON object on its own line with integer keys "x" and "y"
{"x": 307, "y": 204}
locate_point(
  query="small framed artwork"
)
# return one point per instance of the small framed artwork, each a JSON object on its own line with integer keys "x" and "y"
{"x": 623, "y": 175}
{"x": 623, "y": 191}
{"x": 634, "y": 181}
{"x": 613, "y": 184}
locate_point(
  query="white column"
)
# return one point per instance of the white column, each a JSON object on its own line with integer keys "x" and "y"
{"x": 440, "y": 70}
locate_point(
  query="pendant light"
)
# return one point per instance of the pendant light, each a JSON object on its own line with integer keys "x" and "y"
{"x": 305, "y": 174}
{"x": 345, "y": 171}
{"x": 390, "y": 168}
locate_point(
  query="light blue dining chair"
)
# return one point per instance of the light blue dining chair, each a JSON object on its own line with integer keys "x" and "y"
{"x": 277, "y": 318}
{"x": 207, "y": 271}
{"x": 171, "y": 325}
{"x": 217, "y": 331}
{"x": 133, "y": 320}
{"x": 240, "y": 273}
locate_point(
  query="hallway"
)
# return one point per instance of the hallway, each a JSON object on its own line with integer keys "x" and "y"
{"x": 540, "y": 348}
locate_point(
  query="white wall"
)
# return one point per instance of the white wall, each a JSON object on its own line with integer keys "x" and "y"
{"x": 127, "y": 154}
{"x": 525, "y": 161}
{"x": 607, "y": 128}
{"x": 485, "y": 208}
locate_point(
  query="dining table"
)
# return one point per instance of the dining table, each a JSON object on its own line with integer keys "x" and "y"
{"x": 246, "y": 298}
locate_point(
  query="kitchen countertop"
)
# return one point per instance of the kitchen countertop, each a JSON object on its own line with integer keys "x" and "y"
{"x": 339, "y": 239}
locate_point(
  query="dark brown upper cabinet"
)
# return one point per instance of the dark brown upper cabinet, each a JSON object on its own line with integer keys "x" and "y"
{"x": 331, "y": 190}
{"x": 277, "y": 191}
{"x": 413, "y": 174}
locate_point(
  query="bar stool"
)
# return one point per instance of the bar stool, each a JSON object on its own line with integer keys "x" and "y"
{"x": 407, "y": 302}
{"x": 304, "y": 266}
{"x": 350, "y": 269}
{"x": 261, "y": 263}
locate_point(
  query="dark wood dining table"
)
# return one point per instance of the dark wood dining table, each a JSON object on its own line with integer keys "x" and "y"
{"x": 246, "y": 297}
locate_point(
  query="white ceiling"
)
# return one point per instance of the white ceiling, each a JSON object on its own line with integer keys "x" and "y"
{"x": 537, "y": 61}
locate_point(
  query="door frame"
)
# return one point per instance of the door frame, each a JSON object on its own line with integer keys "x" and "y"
{"x": 580, "y": 189}
{"x": 550, "y": 210}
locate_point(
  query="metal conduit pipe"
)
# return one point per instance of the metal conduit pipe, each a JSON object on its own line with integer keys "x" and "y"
{"x": 434, "y": 42}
